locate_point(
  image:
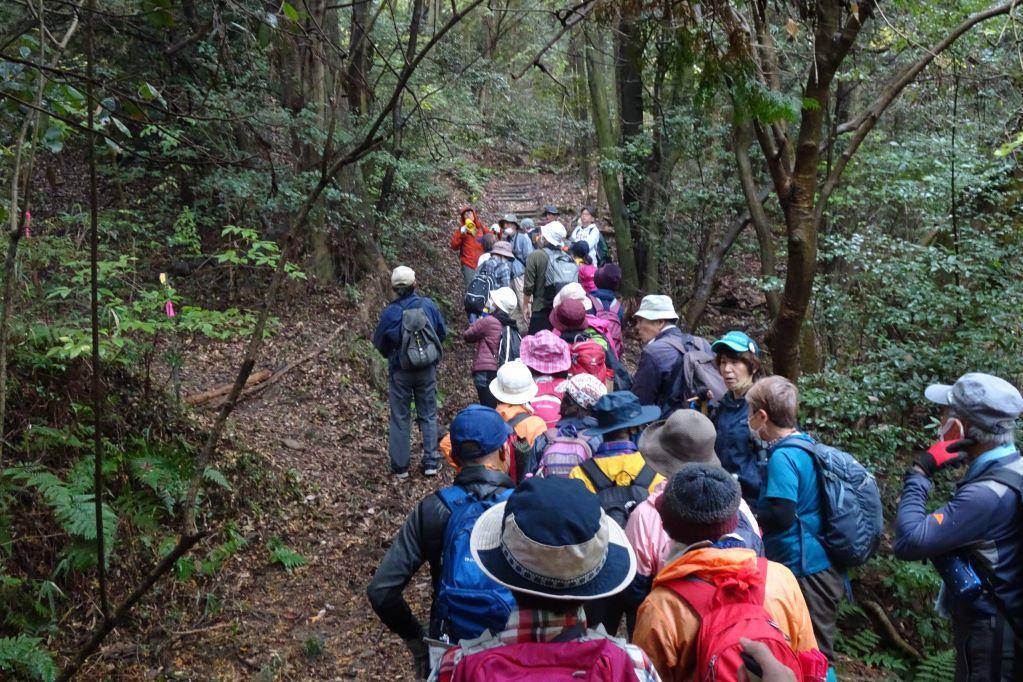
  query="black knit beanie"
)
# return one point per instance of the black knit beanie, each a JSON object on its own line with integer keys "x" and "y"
{"x": 699, "y": 503}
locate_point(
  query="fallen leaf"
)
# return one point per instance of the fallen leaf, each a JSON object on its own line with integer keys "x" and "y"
{"x": 792, "y": 27}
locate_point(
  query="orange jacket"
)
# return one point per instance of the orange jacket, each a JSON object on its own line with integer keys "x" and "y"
{"x": 466, "y": 243}
{"x": 666, "y": 628}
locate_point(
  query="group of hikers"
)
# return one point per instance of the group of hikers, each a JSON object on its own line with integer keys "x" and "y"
{"x": 680, "y": 505}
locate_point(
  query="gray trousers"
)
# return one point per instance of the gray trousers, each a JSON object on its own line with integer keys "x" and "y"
{"x": 985, "y": 651}
{"x": 823, "y": 591}
{"x": 468, "y": 274}
{"x": 408, "y": 388}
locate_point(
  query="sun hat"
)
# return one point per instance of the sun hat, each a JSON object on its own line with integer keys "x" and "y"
{"x": 608, "y": 277}
{"x": 551, "y": 210}
{"x": 656, "y": 307}
{"x": 477, "y": 431}
{"x": 700, "y": 502}
{"x": 736, "y": 341}
{"x": 685, "y": 436}
{"x": 502, "y": 248}
{"x": 513, "y": 384}
{"x": 509, "y": 218}
{"x": 551, "y": 539}
{"x": 527, "y": 225}
{"x": 569, "y": 315}
{"x": 505, "y": 299}
{"x": 584, "y": 389}
{"x": 573, "y": 290}
{"x": 554, "y": 233}
{"x": 620, "y": 410}
{"x": 984, "y": 400}
{"x": 403, "y": 276}
{"x": 545, "y": 352}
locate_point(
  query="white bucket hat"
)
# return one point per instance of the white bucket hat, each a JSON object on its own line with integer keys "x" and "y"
{"x": 554, "y": 233}
{"x": 513, "y": 384}
{"x": 656, "y": 307}
{"x": 576, "y": 291}
{"x": 505, "y": 299}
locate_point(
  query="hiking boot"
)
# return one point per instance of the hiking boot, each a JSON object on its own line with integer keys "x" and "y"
{"x": 400, "y": 475}
{"x": 431, "y": 470}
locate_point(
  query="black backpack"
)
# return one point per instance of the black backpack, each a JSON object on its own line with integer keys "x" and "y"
{"x": 509, "y": 348}
{"x": 561, "y": 270}
{"x": 603, "y": 252}
{"x": 478, "y": 293}
{"x": 618, "y": 501}
{"x": 420, "y": 345}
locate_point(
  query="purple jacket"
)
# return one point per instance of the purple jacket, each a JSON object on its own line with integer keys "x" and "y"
{"x": 652, "y": 382}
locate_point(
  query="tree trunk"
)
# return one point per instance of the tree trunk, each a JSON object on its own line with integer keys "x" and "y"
{"x": 628, "y": 47}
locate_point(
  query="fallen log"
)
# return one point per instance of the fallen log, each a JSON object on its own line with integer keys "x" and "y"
{"x": 223, "y": 389}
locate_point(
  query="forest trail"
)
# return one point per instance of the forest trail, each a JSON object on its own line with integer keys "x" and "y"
{"x": 324, "y": 428}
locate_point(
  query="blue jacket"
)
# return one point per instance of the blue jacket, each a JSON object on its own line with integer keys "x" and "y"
{"x": 982, "y": 519}
{"x": 387, "y": 337}
{"x": 521, "y": 247}
{"x": 652, "y": 382}
{"x": 607, "y": 297}
{"x": 735, "y": 446}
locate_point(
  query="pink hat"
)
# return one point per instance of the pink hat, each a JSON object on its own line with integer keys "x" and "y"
{"x": 545, "y": 353}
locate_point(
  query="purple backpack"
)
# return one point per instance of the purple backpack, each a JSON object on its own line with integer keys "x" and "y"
{"x": 564, "y": 452}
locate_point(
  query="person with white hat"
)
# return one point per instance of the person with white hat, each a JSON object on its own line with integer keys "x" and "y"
{"x": 975, "y": 540}
{"x": 514, "y": 388}
{"x": 411, "y": 381}
{"x": 496, "y": 336}
{"x": 552, "y": 545}
{"x": 548, "y": 269}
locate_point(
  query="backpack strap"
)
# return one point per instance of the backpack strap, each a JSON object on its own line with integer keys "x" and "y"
{"x": 1009, "y": 478}
{"x": 518, "y": 419}
{"x": 597, "y": 477}
{"x": 645, "y": 476}
{"x": 570, "y": 634}
{"x": 453, "y": 496}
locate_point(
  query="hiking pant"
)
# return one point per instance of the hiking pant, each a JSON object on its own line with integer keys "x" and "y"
{"x": 517, "y": 285}
{"x": 468, "y": 274}
{"x": 406, "y": 387}
{"x": 539, "y": 320}
{"x": 823, "y": 591}
{"x": 482, "y": 381}
{"x": 985, "y": 651}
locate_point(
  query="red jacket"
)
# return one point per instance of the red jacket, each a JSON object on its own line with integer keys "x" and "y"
{"x": 486, "y": 334}
{"x": 468, "y": 245}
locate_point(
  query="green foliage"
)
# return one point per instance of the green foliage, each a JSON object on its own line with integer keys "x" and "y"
{"x": 280, "y": 554}
{"x": 939, "y": 667}
{"x": 24, "y": 658}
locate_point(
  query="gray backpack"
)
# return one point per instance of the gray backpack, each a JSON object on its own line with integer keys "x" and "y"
{"x": 420, "y": 345}
{"x": 561, "y": 270}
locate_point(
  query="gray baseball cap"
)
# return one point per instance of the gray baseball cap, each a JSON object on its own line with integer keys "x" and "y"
{"x": 985, "y": 400}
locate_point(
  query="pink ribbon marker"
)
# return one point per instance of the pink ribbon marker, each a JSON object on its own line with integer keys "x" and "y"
{"x": 28, "y": 221}
{"x": 169, "y": 308}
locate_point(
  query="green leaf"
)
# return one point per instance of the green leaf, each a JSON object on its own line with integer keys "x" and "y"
{"x": 290, "y": 12}
{"x": 149, "y": 93}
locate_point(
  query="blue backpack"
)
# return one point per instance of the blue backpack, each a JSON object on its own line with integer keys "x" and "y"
{"x": 468, "y": 602}
{"x": 851, "y": 513}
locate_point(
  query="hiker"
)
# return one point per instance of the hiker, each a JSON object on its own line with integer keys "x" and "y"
{"x": 619, "y": 476}
{"x": 677, "y": 622}
{"x": 661, "y": 374}
{"x": 488, "y": 332}
{"x": 514, "y": 388}
{"x": 738, "y": 360}
{"x": 580, "y": 393}
{"x": 548, "y": 269}
{"x": 687, "y": 436}
{"x": 975, "y": 539}
{"x": 592, "y": 352}
{"x": 521, "y": 246}
{"x": 412, "y": 377}
{"x": 583, "y": 256}
{"x": 789, "y": 508}
{"x": 549, "y": 359}
{"x": 478, "y": 436}
{"x": 608, "y": 278}
{"x": 587, "y": 231}
{"x": 466, "y": 241}
{"x": 498, "y": 266}
{"x": 554, "y": 549}
{"x": 607, "y": 324}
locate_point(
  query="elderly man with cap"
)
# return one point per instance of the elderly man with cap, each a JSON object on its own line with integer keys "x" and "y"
{"x": 545, "y": 268}
{"x": 975, "y": 539}
{"x": 699, "y": 509}
{"x": 555, "y": 549}
{"x": 478, "y": 437}
{"x": 408, "y": 386}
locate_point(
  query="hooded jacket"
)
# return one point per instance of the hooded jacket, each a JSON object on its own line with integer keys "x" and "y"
{"x": 667, "y": 629}
{"x": 467, "y": 244}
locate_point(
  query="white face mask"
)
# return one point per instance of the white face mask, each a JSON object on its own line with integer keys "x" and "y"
{"x": 509, "y": 231}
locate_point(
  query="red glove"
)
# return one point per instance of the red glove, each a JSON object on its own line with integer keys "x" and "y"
{"x": 944, "y": 453}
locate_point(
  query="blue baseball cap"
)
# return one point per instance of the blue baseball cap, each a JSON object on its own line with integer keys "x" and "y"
{"x": 477, "y": 431}
{"x": 736, "y": 341}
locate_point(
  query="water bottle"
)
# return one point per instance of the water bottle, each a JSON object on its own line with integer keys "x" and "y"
{"x": 960, "y": 578}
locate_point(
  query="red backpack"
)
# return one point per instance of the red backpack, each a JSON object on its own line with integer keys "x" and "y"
{"x": 588, "y": 357}
{"x": 596, "y": 660}
{"x": 729, "y": 608}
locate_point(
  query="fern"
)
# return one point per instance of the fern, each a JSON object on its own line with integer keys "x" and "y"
{"x": 281, "y": 554}
{"x": 939, "y": 667}
{"x": 215, "y": 476}
{"x": 24, "y": 658}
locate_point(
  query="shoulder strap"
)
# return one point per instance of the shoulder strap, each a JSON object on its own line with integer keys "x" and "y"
{"x": 1007, "y": 477}
{"x": 645, "y": 476}
{"x": 699, "y": 593}
{"x": 452, "y": 496}
{"x": 570, "y": 634}
{"x": 597, "y": 477}
{"x": 799, "y": 443}
{"x": 518, "y": 419}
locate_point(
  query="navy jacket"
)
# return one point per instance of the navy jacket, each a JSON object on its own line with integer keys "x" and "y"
{"x": 982, "y": 519}
{"x": 387, "y": 337}
{"x": 607, "y": 297}
{"x": 735, "y": 446}
{"x": 652, "y": 382}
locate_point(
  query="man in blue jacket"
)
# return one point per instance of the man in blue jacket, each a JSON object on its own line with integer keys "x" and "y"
{"x": 406, "y": 386}
{"x": 657, "y": 374}
{"x": 980, "y": 525}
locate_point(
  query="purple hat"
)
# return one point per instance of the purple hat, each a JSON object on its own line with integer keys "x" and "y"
{"x": 545, "y": 353}
{"x": 570, "y": 315}
{"x": 608, "y": 277}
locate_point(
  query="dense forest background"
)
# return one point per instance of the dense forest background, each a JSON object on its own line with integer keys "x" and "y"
{"x": 202, "y": 200}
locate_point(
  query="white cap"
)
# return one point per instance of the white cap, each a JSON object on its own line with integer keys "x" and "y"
{"x": 554, "y": 233}
{"x": 403, "y": 276}
{"x": 573, "y": 290}
{"x": 505, "y": 299}
{"x": 657, "y": 307}
{"x": 514, "y": 384}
